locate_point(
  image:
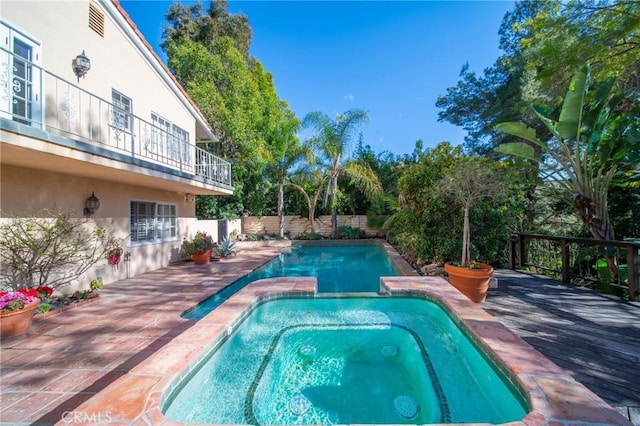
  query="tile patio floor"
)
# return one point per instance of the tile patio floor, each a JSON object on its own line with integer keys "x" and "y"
{"x": 66, "y": 359}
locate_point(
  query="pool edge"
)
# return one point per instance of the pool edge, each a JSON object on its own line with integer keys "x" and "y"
{"x": 553, "y": 395}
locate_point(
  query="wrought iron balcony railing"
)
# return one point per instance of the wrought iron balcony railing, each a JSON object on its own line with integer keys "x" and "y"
{"x": 35, "y": 97}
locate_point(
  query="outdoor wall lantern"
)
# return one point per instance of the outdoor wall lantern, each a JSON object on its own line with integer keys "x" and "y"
{"x": 81, "y": 64}
{"x": 92, "y": 205}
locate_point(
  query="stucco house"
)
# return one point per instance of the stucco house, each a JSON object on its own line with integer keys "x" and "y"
{"x": 87, "y": 107}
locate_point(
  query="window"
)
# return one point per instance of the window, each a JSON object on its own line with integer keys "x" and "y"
{"x": 159, "y": 134}
{"x": 121, "y": 117}
{"x": 182, "y": 142}
{"x": 169, "y": 141}
{"x": 153, "y": 222}
{"x": 20, "y": 78}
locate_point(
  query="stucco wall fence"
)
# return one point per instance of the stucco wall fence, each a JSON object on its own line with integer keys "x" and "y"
{"x": 296, "y": 225}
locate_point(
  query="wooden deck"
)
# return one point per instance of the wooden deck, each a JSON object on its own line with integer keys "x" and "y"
{"x": 594, "y": 337}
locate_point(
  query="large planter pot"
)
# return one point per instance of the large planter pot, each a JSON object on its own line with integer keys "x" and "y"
{"x": 201, "y": 258}
{"x": 15, "y": 323}
{"x": 473, "y": 283}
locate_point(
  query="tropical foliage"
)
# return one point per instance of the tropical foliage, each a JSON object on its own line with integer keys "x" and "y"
{"x": 583, "y": 144}
{"x": 330, "y": 143}
{"x": 590, "y": 143}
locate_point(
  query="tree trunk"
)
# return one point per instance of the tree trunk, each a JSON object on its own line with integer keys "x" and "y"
{"x": 334, "y": 222}
{"x": 465, "y": 239}
{"x": 334, "y": 207}
{"x": 281, "y": 207}
{"x": 596, "y": 219}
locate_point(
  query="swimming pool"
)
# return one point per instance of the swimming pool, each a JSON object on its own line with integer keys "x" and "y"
{"x": 346, "y": 360}
{"x": 343, "y": 268}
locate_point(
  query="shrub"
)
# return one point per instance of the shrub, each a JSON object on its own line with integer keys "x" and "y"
{"x": 50, "y": 249}
{"x": 349, "y": 233}
{"x": 309, "y": 236}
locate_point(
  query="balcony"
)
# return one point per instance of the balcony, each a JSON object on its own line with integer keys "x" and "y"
{"x": 39, "y": 105}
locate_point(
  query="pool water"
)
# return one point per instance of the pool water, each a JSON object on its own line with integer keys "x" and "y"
{"x": 346, "y": 360}
{"x": 344, "y": 269}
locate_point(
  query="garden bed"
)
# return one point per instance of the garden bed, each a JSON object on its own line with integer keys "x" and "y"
{"x": 58, "y": 306}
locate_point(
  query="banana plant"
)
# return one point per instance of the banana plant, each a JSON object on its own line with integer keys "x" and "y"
{"x": 590, "y": 143}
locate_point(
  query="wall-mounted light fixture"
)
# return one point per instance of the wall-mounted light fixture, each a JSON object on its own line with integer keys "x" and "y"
{"x": 81, "y": 64}
{"x": 92, "y": 205}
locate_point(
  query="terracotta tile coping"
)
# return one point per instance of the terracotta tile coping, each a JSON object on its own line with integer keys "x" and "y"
{"x": 554, "y": 397}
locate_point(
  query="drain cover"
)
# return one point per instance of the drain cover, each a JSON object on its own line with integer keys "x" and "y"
{"x": 406, "y": 406}
{"x": 388, "y": 350}
{"x": 307, "y": 351}
{"x": 298, "y": 405}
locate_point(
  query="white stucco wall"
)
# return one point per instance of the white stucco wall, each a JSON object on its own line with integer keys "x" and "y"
{"x": 68, "y": 193}
{"x": 63, "y": 31}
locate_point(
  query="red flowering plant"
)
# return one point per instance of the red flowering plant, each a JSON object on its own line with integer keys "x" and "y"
{"x": 44, "y": 293}
{"x": 15, "y": 300}
{"x": 201, "y": 243}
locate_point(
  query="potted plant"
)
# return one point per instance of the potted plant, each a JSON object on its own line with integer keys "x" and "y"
{"x": 16, "y": 311}
{"x": 199, "y": 248}
{"x": 469, "y": 181}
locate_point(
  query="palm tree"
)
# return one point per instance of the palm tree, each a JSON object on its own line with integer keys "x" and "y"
{"x": 330, "y": 144}
{"x": 285, "y": 151}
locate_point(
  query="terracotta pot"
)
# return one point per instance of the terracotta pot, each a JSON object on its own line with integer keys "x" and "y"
{"x": 201, "y": 258}
{"x": 15, "y": 323}
{"x": 473, "y": 283}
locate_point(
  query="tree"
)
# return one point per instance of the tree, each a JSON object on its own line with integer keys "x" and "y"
{"x": 426, "y": 225}
{"x": 604, "y": 34}
{"x": 478, "y": 102}
{"x": 330, "y": 143}
{"x": 468, "y": 182}
{"x": 285, "y": 151}
{"x": 591, "y": 141}
{"x": 208, "y": 52}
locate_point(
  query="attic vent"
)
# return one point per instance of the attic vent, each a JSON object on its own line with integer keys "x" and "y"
{"x": 96, "y": 19}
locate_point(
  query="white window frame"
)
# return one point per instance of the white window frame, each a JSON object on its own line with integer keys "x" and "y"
{"x": 121, "y": 111}
{"x": 160, "y": 134}
{"x": 169, "y": 140}
{"x": 30, "y": 83}
{"x": 159, "y": 222}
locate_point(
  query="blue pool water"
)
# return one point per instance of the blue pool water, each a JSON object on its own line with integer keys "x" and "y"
{"x": 343, "y": 269}
{"x": 365, "y": 360}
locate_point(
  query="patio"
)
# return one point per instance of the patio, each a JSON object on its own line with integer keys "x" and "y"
{"x": 68, "y": 358}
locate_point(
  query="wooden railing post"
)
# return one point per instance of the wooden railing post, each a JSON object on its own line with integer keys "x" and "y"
{"x": 566, "y": 278}
{"x": 512, "y": 251}
{"x": 632, "y": 271}
{"x": 521, "y": 251}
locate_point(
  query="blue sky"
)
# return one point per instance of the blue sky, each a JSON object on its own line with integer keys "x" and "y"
{"x": 390, "y": 58}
